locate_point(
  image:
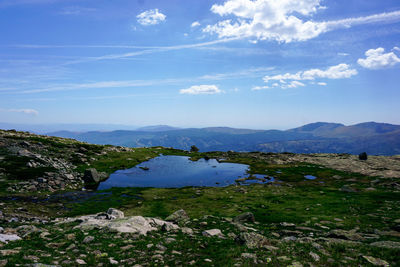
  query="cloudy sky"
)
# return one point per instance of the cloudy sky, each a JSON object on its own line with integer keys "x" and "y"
{"x": 193, "y": 63}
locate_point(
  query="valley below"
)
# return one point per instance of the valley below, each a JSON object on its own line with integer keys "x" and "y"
{"x": 320, "y": 209}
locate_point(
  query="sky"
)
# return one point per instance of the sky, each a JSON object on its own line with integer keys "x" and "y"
{"x": 261, "y": 64}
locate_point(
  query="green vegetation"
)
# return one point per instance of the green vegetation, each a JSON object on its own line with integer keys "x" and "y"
{"x": 337, "y": 216}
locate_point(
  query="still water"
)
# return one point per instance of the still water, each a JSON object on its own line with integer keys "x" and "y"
{"x": 177, "y": 171}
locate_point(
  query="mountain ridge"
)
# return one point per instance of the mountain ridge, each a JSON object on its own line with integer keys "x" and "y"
{"x": 320, "y": 137}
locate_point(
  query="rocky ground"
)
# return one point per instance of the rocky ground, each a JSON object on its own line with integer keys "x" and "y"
{"x": 349, "y": 215}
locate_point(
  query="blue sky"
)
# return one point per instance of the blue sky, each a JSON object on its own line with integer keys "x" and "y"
{"x": 194, "y": 63}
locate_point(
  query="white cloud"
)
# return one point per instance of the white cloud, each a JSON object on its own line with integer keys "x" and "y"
{"x": 377, "y": 59}
{"x": 396, "y": 48}
{"x": 258, "y": 88}
{"x": 77, "y": 10}
{"x": 283, "y": 21}
{"x": 295, "y": 84}
{"x": 322, "y": 84}
{"x": 150, "y": 17}
{"x": 22, "y": 110}
{"x": 291, "y": 80}
{"x": 343, "y": 54}
{"x": 201, "y": 90}
{"x": 195, "y": 24}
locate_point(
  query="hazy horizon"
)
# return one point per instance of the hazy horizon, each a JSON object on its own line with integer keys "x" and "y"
{"x": 256, "y": 64}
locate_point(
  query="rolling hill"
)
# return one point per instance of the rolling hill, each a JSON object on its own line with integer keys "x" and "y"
{"x": 320, "y": 137}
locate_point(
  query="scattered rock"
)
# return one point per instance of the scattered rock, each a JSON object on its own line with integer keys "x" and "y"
{"x": 187, "y": 230}
{"x": 113, "y": 262}
{"x": 80, "y": 261}
{"x": 178, "y": 216}
{"x": 376, "y": 261}
{"x": 6, "y": 238}
{"x": 315, "y": 256}
{"x": 386, "y": 244}
{"x": 8, "y": 252}
{"x": 245, "y": 217}
{"x": 88, "y": 239}
{"x": 253, "y": 240}
{"x": 212, "y": 232}
{"x": 249, "y": 256}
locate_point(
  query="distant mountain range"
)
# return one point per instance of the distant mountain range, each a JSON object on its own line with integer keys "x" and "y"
{"x": 320, "y": 137}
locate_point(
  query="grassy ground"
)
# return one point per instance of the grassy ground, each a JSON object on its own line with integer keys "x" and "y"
{"x": 292, "y": 206}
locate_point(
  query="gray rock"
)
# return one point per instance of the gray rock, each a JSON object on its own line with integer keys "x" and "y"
{"x": 386, "y": 244}
{"x": 115, "y": 214}
{"x": 187, "y": 230}
{"x": 91, "y": 176}
{"x": 315, "y": 256}
{"x": 178, "y": 216}
{"x": 6, "y": 238}
{"x": 88, "y": 239}
{"x": 245, "y": 217}
{"x": 249, "y": 256}
{"x": 289, "y": 239}
{"x": 212, "y": 232}
{"x": 376, "y": 261}
{"x": 135, "y": 224}
{"x": 253, "y": 240}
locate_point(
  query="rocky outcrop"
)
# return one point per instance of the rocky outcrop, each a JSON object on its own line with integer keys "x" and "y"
{"x": 115, "y": 221}
{"x": 178, "y": 216}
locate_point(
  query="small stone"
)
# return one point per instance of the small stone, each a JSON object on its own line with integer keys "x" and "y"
{"x": 113, "y": 262}
{"x": 212, "y": 232}
{"x": 169, "y": 240}
{"x": 376, "y": 261}
{"x": 315, "y": 256}
{"x": 296, "y": 264}
{"x": 128, "y": 247}
{"x": 161, "y": 247}
{"x": 88, "y": 239}
{"x": 284, "y": 258}
{"x": 245, "y": 217}
{"x": 386, "y": 244}
{"x": 249, "y": 256}
{"x": 207, "y": 260}
{"x": 285, "y": 224}
{"x": 8, "y": 252}
{"x": 80, "y": 261}
{"x": 289, "y": 239}
{"x": 187, "y": 230}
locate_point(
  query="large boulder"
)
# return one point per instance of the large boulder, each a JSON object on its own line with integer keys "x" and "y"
{"x": 178, "y": 216}
{"x": 116, "y": 223}
{"x": 91, "y": 176}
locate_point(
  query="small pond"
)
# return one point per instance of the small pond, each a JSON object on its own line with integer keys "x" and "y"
{"x": 310, "y": 177}
{"x": 177, "y": 171}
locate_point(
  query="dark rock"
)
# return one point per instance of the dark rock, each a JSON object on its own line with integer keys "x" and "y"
{"x": 114, "y": 214}
{"x": 91, "y": 176}
{"x": 244, "y": 217}
{"x": 363, "y": 156}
